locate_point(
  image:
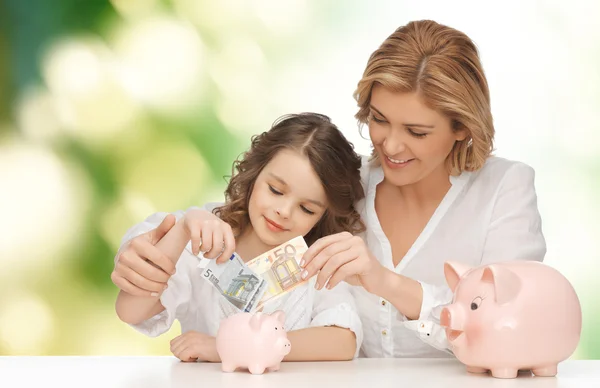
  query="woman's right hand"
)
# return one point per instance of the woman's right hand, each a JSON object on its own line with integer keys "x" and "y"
{"x": 209, "y": 235}
{"x": 141, "y": 269}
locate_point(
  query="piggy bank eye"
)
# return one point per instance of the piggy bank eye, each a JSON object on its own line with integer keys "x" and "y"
{"x": 476, "y": 303}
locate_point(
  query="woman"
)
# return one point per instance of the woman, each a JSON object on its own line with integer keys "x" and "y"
{"x": 433, "y": 191}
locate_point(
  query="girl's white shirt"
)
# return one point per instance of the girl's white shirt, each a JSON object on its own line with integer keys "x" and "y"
{"x": 198, "y": 306}
{"x": 486, "y": 216}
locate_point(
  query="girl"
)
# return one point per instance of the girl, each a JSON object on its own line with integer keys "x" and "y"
{"x": 301, "y": 178}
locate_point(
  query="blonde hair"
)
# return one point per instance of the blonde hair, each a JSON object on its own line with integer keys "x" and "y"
{"x": 442, "y": 65}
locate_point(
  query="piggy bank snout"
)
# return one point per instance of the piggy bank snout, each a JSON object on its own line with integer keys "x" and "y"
{"x": 445, "y": 317}
{"x": 284, "y": 345}
{"x": 451, "y": 317}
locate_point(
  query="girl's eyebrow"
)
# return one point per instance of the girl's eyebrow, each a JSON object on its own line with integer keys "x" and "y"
{"x": 313, "y": 201}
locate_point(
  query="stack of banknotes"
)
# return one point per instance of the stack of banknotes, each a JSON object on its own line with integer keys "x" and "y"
{"x": 248, "y": 286}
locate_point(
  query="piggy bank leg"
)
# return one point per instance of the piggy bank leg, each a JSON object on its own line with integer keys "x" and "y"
{"x": 476, "y": 369}
{"x": 256, "y": 369}
{"x": 505, "y": 373}
{"x": 226, "y": 367}
{"x": 546, "y": 371}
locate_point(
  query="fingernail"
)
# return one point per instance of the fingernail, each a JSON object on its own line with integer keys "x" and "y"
{"x": 154, "y": 294}
{"x": 316, "y": 286}
{"x": 166, "y": 285}
{"x": 173, "y": 272}
{"x": 302, "y": 262}
{"x": 304, "y": 274}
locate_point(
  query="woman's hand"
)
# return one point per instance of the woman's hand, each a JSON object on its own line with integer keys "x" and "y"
{"x": 141, "y": 269}
{"x": 342, "y": 257}
{"x": 193, "y": 346}
{"x": 209, "y": 235}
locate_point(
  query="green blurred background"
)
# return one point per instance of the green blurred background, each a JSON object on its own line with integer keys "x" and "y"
{"x": 113, "y": 110}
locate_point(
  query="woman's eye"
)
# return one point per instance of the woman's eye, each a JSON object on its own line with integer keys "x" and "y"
{"x": 377, "y": 120}
{"x": 275, "y": 191}
{"x": 416, "y": 134}
{"x": 306, "y": 210}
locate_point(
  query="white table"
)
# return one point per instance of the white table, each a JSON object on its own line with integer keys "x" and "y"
{"x": 165, "y": 372}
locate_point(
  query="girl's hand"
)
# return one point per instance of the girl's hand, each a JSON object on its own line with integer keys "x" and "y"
{"x": 342, "y": 257}
{"x": 193, "y": 346}
{"x": 141, "y": 269}
{"x": 209, "y": 235}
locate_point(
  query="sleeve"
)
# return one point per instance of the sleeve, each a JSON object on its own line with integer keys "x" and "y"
{"x": 336, "y": 307}
{"x": 514, "y": 232}
{"x": 176, "y": 298}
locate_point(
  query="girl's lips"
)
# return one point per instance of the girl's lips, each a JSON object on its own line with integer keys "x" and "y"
{"x": 274, "y": 225}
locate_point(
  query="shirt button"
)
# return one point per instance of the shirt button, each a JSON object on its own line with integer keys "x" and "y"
{"x": 383, "y": 302}
{"x": 384, "y": 332}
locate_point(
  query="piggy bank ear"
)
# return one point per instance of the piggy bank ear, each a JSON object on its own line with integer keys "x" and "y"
{"x": 279, "y": 315}
{"x": 507, "y": 284}
{"x": 256, "y": 321}
{"x": 453, "y": 272}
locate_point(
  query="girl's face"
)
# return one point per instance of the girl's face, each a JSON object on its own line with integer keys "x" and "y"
{"x": 287, "y": 200}
{"x": 411, "y": 140}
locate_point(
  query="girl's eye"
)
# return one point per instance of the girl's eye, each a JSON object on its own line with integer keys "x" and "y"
{"x": 305, "y": 210}
{"x": 275, "y": 191}
{"x": 416, "y": 134}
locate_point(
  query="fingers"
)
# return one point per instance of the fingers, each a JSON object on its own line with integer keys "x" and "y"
{"x": 145, "y": 268}
{"x": 138, "y": 280}
{"x": 216, "y": 244}
{"x": 128, "y": 287}
{"x": 229, "y": 244}
{"x": 184, "y": 347}
{"x": 333, "y": 264}
{"x": 149, "y": 271}
{"x": 144, "y": 250}
{"x": 321, "y": 244}
{"x": 351, "y": 268}
{"x": 317, "y": 262}
{"x": 162, "y": 229}
{"x": 177, "y": 341}
{"x": 188, "y": 354}
{"x": 206, "y": 235}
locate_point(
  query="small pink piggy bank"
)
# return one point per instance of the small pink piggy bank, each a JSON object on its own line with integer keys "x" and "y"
{"x": 511, "y": 316}
{"x": 255, "y": 341}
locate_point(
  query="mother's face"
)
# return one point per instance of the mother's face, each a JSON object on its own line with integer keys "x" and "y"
{"x": 411, "y": 140}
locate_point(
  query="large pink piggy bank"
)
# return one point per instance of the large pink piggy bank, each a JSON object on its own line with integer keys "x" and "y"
{"x": 511, "y": 316}
{"x": 255, "y": 341}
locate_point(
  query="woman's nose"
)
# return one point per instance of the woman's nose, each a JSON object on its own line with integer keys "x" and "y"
{"x": 393, "y": 145}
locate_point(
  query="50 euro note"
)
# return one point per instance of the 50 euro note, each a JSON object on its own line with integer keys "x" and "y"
{"x": 236, "y": 282}
{"x": 280, "y": 268}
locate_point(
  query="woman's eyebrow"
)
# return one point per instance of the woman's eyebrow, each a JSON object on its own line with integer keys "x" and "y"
{"x": 280, "y": 180}
{"x": 376, "y": 110}
{"x": 405, "y": 124}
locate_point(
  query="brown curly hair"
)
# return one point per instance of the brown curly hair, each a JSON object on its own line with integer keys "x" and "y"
{"x": 331, "y": 156}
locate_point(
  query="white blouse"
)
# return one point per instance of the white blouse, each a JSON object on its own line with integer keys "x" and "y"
{"x": 486, "y": 216}
{"x": 198, "y": 305}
